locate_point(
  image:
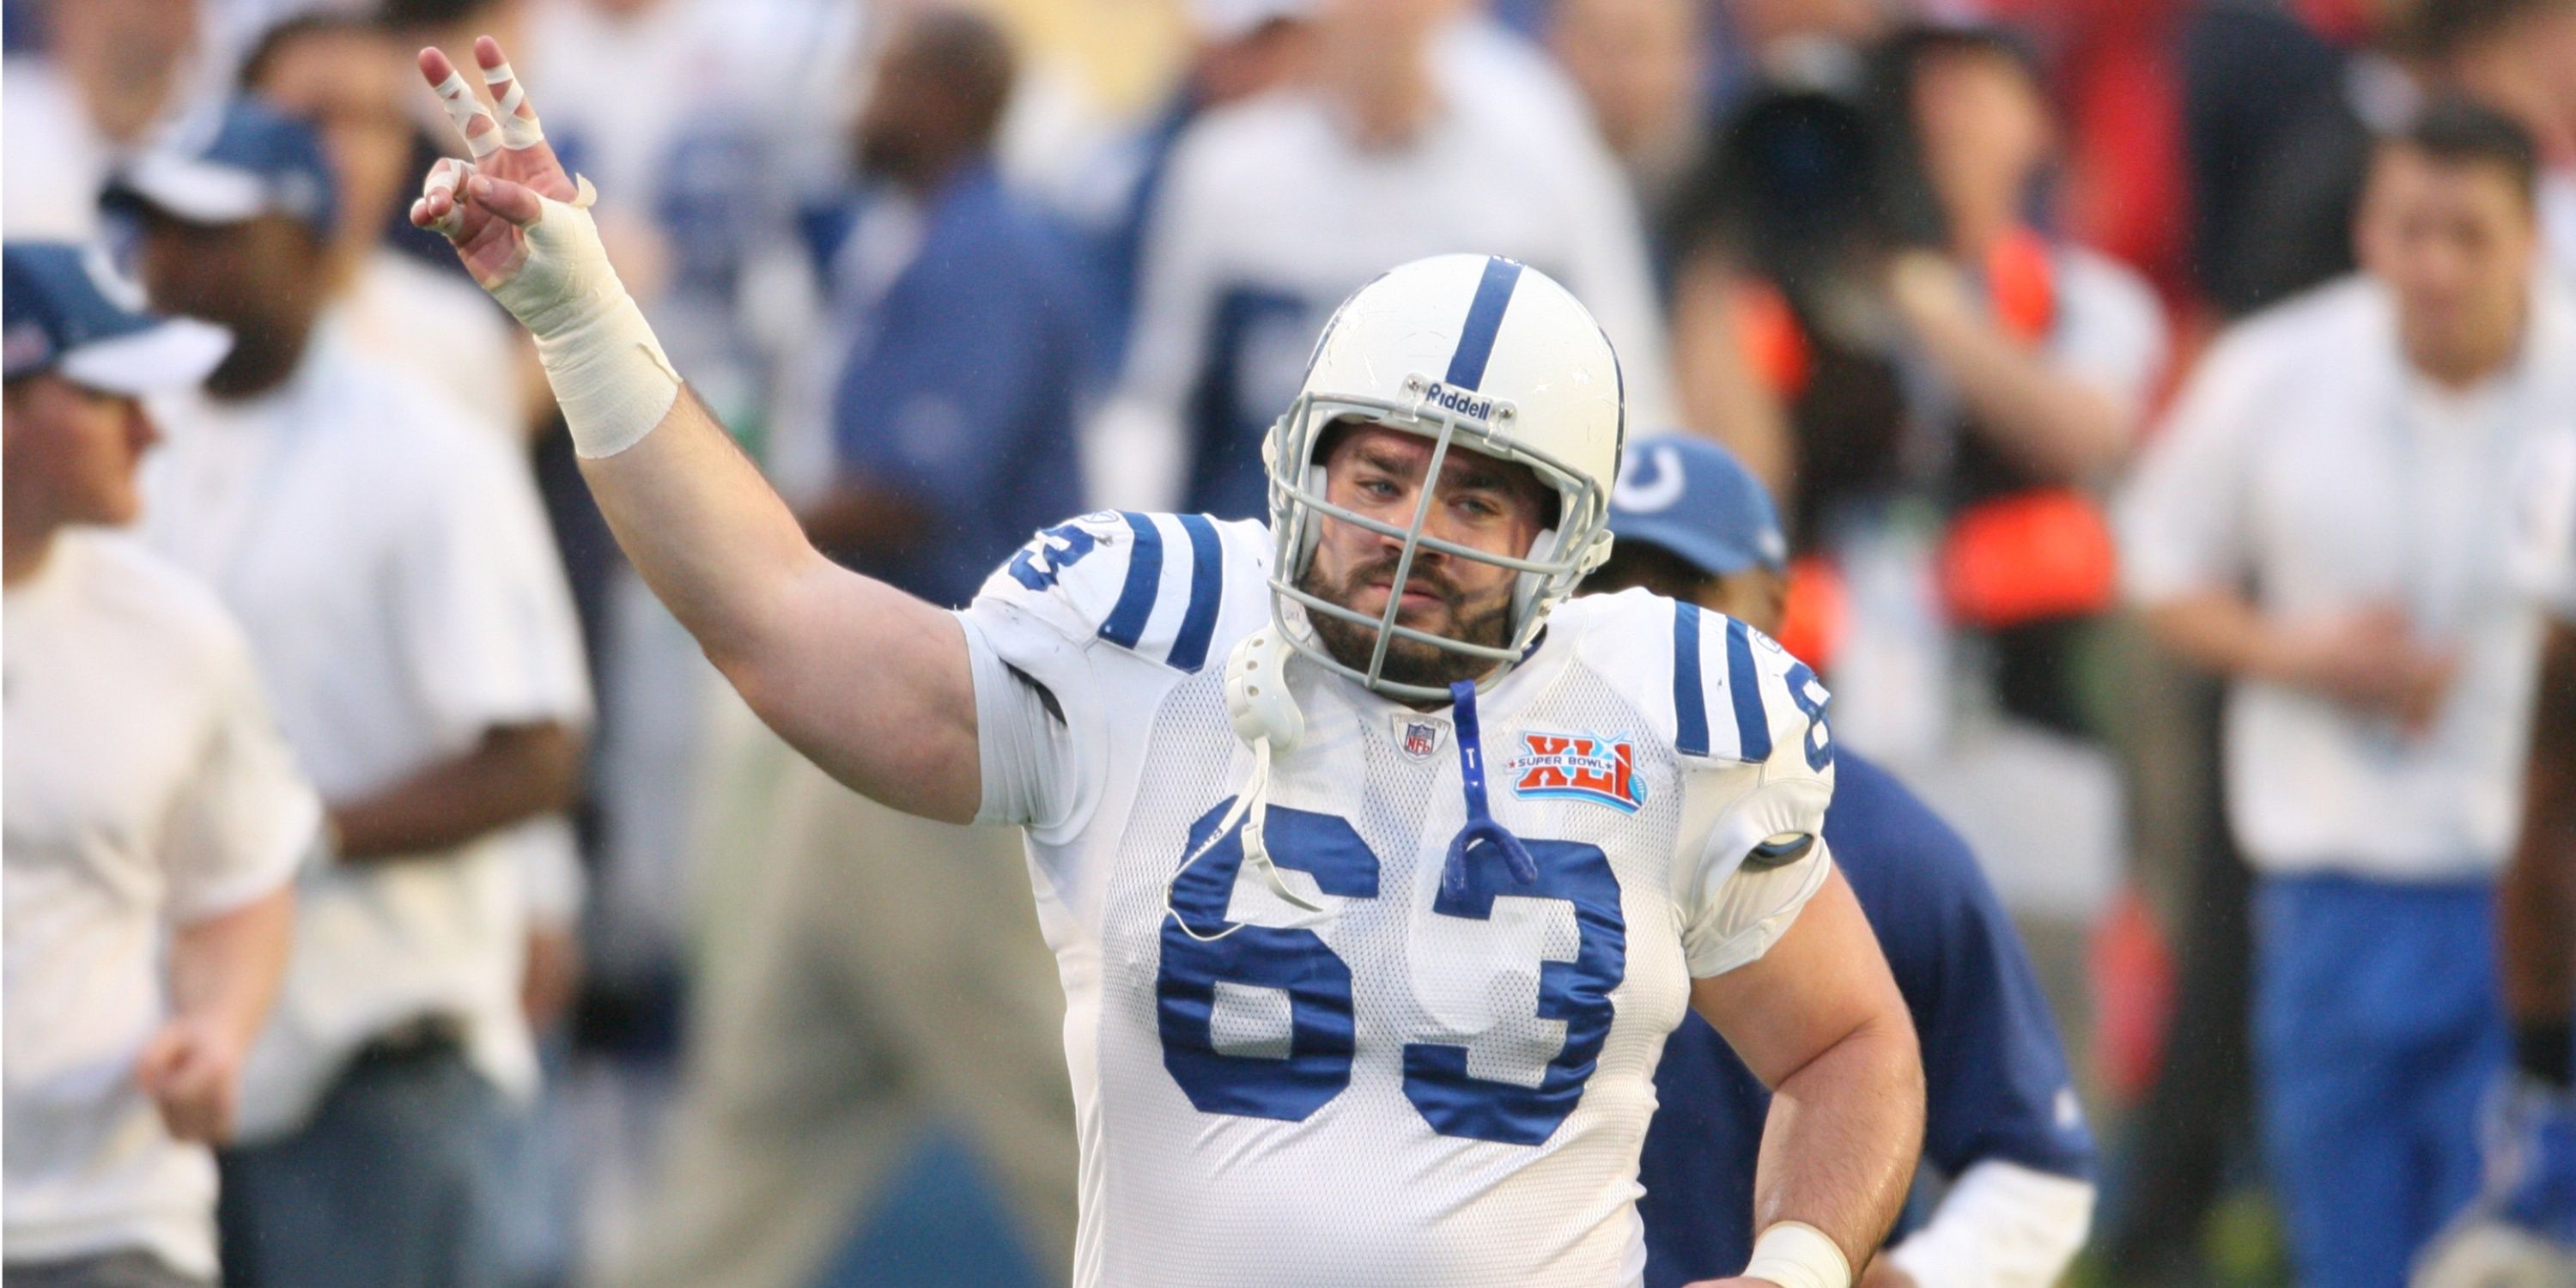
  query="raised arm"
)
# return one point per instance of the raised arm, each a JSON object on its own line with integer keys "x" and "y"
{"x": 871, "y": 683}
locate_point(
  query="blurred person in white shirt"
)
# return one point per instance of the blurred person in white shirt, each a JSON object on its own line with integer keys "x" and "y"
{"x": 388, "y": 558}
{"x": 350, "y": 79}
{"x": 1419, "y": 132}
{"x": 114, "y": 75}
{"x": 153, "y": 816}
{"x": 2327, "y": 521}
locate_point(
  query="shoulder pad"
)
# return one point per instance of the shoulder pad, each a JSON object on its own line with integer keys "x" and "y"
{"x": 1729, "y": 691}
{"x": 1152, "y": 584}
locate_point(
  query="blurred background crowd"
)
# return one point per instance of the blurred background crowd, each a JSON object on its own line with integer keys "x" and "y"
{"x": 2038, "y": 317}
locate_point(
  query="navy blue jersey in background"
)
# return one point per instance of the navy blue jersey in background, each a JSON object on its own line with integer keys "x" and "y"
{"x": 1995, "y": 1075}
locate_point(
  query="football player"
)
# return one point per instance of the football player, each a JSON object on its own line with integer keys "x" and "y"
{"x": 1376, "y": 873}
{"x": 2001, "y": 1121}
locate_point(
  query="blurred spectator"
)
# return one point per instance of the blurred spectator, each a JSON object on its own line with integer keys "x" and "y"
{"x": 829, "y": 1041}
{"x": 2002, "y": 1123}
{"x": 2352, "y": 457}
{"x": 1240, "y": 49}
{"x": 388, "y": 559}
{"x": 1956, "y": 382}
{"x": 2282, "y": 122}
{"x": 154, "y": 818}
{"x": 352, "y": 81}
{"x": 1638, "y": 65}
{"x": 2518, "y": 57}
{"x": 962, "y": 313}
{"x": 1278, "y": 207}
{"x": 114, "y": 74}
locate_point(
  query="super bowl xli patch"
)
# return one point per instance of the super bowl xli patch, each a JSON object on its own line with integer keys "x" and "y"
{"x": 1577, "y": 766}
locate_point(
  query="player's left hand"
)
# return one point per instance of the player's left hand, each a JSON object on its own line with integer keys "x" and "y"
{"x": 483, "y": 206}
{"x": 192, "y": 1070}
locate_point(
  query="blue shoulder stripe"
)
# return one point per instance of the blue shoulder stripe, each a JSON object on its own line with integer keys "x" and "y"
{"x": 1126, "y": 622}
{"x": 1207, "y": 593}
{"x": 1743, "y": 684}
{"x": 1484, "y": 320}
{"x": 1690, "y": 702}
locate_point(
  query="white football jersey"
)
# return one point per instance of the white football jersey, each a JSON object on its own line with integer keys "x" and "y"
{"x": 1419, "y": 1084}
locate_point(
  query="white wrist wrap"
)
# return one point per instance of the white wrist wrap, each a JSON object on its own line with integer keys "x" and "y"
{"x": 609, "y": 374}
{"x": 1794, "y": 1254}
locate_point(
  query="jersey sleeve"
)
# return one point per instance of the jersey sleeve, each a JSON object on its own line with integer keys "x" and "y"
{"x": 1086, "y": 626}
{"x": 246, "y": 818}
{"x": 1756, "y": 740}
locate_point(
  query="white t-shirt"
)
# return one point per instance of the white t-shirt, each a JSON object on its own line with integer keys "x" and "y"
{"x": 2307, "y": 461}
{"x": 1414, "y": 1086}
{"x": 392, "y": 567}
{"x": 1270, "y": 214}
{"x": 145, "y": 786}
{"x": 440, "y": 330}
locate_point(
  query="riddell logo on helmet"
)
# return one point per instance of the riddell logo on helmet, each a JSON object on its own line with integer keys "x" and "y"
{"x": 1459, "y": 401}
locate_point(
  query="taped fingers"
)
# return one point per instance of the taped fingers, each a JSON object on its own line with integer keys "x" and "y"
{"x": 519, "y": 126}
{"x": 446, "y": 179}
{"x": 464, "y": 109}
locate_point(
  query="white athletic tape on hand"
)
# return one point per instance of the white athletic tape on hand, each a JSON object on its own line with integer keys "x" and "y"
{"x": 448, "y": 176}
{"x": 462, "y": 108}
{"x": 518, "y": 129}
{"x": 1794, "y": 1254}
{"x": 609, "y": 373}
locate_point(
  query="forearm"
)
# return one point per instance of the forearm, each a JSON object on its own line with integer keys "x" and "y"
{"x": 2052, "y": 424}
{"x": 704, "y": 529}
{"x": 2536, "y": 930}
{"x": 2221, "y": 632}
{"x": 871, "y": 683}
{"x": 224, "y": 970}
{"x": 1839, "y": 1147}
{"x": 2001, "y": 1226}
{"x": 515, "y": 774}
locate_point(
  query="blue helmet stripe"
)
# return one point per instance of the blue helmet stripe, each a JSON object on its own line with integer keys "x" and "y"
{"x": 1207, "y": 590}
{"x": 1126, "y": 622}
{"x": 1690, "y": 701}
{"x": 1484, "y": 320}
{"x": 1743, "y": 683}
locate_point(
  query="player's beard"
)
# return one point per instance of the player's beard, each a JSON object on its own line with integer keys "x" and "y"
{"x": 1408, "y": 661}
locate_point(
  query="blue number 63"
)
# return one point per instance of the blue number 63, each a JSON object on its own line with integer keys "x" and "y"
{"x": 1317, "y": 1063}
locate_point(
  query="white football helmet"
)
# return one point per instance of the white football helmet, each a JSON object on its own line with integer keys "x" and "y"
{"x": 1470, "y": 351}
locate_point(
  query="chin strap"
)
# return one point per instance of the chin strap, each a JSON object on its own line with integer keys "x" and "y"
{"x": 1251, "y": 810}
{"x": 1481, "y": 830}
{"x": 1266, "y": 717}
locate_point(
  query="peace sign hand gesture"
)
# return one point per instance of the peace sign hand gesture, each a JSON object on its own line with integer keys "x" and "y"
{"x": 523, "y": 228}
{"x": 485, "y": 206}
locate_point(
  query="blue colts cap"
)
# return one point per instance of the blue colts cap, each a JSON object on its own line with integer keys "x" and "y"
{"x": 67, "y": 311}
{"x": 254, "y": 162}
{"x": 1687, "y": 495}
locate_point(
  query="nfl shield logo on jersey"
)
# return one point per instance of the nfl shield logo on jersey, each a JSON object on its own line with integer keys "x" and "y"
{"x": 1570, "y": 766}
{"x": 1416, "y": 737}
